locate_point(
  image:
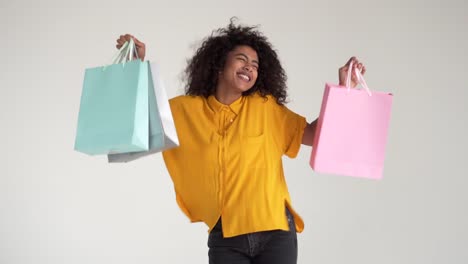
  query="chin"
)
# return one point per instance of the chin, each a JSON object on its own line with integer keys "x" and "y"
{"x": 243, "y": 90}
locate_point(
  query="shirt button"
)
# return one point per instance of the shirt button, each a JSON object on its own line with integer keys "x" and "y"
{"x": 231, "y": 120}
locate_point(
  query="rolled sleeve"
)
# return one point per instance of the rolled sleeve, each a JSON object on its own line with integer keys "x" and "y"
{"x": 288, "y": 128}
{"x": 294, "y": 134}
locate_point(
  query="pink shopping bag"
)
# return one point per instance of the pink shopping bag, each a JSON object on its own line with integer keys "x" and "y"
{"x": 352, "y": 131}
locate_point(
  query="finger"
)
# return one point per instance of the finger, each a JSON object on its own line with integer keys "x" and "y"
{"x": 356, "y": 62}
{"x": 363, "y": 70}
{"x": 359, "y": 66}
{"x": 122, "y": 40}
{"x": 353, "y": 76}
{"x": 350, "y": 60}
{"x": 127, "y": 37}
{"x": 138, "y": 43}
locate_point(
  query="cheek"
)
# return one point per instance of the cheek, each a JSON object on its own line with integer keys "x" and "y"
{"x": 233, "y": 64}
{"x": 230, "y": 70}
{"x": 256, "y": 77}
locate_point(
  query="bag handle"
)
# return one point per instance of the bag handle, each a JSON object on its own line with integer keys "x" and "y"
{"x": 132, "y": 51}
{"x": 360, "y": 79}
{"x": 123, "y": 54}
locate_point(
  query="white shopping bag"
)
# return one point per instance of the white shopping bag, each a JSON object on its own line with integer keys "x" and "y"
{"x": 157, "y": 141}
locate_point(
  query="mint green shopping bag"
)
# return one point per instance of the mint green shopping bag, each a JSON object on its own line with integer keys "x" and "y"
{"x": 114, "y": 110}
{"x": 160, "y": 116}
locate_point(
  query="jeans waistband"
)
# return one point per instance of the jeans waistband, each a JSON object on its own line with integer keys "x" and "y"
{"x": 289, "y": 216}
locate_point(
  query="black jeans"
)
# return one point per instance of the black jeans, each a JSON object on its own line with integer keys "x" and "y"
{"x": 267, "y": 247}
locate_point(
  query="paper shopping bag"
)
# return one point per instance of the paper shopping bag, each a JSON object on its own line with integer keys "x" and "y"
{"x": 114, "y": 114}
{"x": 352, "y": 131}
{"x": 160, "y": 116}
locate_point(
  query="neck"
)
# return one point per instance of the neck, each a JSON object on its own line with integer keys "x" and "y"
{"x": 226, "y": 97}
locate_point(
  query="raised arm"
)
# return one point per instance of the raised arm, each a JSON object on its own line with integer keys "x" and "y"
{"x": 309, "y": 131}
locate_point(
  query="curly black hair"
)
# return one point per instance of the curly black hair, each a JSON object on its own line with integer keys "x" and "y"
{"x": 202, "y": 70}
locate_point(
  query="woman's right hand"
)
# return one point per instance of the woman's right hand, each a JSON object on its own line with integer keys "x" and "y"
{"x": 140, "y": 46}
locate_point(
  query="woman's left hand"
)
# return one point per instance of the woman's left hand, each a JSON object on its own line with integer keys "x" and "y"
{"x": 343, "y": 72}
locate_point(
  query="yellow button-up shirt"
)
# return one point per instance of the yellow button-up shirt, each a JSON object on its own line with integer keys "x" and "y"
{"x": 229, "y": 162}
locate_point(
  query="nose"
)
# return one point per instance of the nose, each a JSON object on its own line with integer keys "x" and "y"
{"x": 248, "y": 66}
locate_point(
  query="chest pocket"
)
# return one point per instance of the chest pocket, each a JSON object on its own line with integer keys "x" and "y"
{"x": 253, "y": 152}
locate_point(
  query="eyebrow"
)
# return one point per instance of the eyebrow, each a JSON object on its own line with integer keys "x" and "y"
{"x": 243, "y": 55}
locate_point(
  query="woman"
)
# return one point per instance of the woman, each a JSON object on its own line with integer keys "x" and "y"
{"x": 233, "y": 130}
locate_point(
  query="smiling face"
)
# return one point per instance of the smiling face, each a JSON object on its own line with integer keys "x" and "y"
{"x": 240, "y": 71}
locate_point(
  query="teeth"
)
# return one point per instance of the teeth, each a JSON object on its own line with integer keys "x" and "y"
{"x": 245, "y": 77}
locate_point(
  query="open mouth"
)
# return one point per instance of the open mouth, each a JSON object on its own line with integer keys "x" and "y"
{"x": 244, "y": 76}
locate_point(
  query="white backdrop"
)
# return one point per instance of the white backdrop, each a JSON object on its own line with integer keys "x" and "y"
{"x": 59, "y": 206}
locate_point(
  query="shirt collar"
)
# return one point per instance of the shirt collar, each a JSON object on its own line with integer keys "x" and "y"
{"x": 218, "y": 106}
